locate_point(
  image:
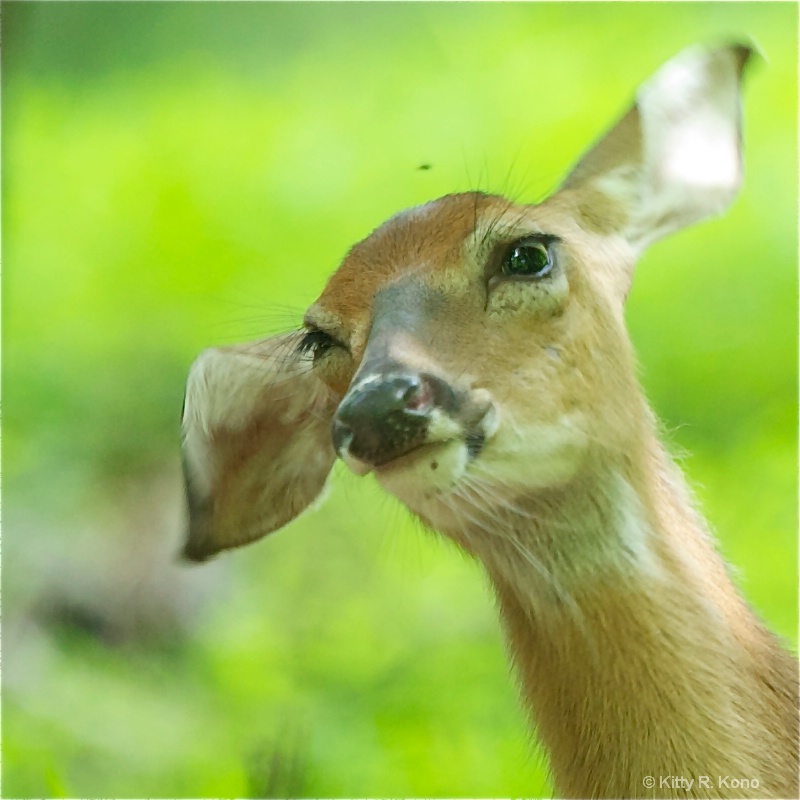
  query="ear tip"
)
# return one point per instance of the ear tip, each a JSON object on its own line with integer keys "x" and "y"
{"x": 746, "y": 54}
{"x": 193, "y": 552}
{"x": 195, "y": 549}
{"x": 198, "y": 543}
{"x": 741, "y": 52}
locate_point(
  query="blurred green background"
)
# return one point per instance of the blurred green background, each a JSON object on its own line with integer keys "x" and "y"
{"x": 178, "y": 175}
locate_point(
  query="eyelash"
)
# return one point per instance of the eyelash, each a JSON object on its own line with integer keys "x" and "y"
{"x": 317, "y": 343}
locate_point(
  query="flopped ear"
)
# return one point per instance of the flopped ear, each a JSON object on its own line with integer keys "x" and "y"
{"x": 256, "y": 442}
{"x": 675, "y": 157}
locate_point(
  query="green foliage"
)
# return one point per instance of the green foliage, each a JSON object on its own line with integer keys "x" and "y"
{"x": 180, "y": 175}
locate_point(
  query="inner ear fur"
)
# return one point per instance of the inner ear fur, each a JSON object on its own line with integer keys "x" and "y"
{"x": 257, "y": 447}
{"x": 674, "y": 158}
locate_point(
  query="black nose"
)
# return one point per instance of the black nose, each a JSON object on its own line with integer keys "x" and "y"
{"x": 383, "y": 417}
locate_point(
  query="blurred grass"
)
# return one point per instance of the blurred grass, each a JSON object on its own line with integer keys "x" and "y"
{"x": 178, "y": 175}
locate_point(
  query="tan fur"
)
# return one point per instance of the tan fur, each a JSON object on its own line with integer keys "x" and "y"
{"x": 637, "y": 657}
{"x": 659, "y": 672}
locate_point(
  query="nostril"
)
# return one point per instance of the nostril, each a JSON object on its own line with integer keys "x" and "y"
{"x": 414, "y": 394}
{"x": 411, "y": 392}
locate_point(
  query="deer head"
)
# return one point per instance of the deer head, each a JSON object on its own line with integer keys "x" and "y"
{"x": 471, "y": 341}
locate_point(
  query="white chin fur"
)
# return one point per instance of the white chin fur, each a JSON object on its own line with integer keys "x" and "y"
{"x": 534, "y": 456}
{"x": 515, "y": 458}
{"x": 425, "y": 473}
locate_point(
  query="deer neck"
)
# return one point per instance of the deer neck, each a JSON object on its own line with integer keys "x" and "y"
{"x": 636, "y": 656}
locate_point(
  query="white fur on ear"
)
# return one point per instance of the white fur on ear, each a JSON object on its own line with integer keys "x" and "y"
{"x": 257, "y": 445}
{"x": 675, "y": 158}
{"x": 690, "y": 113}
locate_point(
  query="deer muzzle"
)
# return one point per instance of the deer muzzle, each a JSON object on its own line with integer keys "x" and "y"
{"x": 400, "y": 400}
{"x": 385, "y": 416}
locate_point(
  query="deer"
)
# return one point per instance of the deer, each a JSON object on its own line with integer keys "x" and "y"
{"x": 471, "y": 353}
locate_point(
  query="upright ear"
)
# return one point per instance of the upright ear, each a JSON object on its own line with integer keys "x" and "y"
{"x": 675, "y": 157}
{"x": 256, "y": 443}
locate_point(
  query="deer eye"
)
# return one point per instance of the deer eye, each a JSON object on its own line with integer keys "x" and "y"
{"x": 317, "y": 343}
{"x": 527, "y": 258}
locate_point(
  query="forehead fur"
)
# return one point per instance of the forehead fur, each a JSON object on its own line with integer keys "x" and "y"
{"x": 430, "y": 236}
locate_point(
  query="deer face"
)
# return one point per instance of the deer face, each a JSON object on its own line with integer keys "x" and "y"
{"x": 461, "y": 337}
{"x": 468, "y": 339}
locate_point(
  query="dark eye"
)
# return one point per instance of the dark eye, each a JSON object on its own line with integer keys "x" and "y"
{"x": 317, "y": 343}
{"x": 527, "y": 259}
